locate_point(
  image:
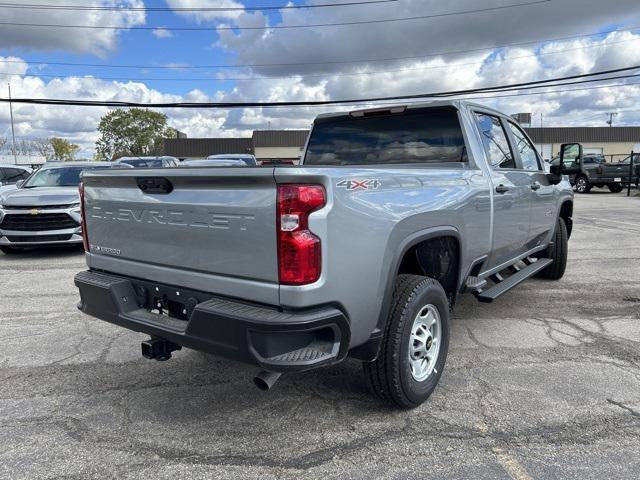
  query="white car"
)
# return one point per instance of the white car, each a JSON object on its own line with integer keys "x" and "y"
{"x": 249, "y": 160}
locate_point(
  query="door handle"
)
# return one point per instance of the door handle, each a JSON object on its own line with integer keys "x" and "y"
{"x": 535, "y": 186}
{"x": 502, "y": 189}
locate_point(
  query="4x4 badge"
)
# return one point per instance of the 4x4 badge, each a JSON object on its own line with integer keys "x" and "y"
{"x": 365, "y": 184}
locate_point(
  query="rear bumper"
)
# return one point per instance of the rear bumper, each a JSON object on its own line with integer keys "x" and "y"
{"x": 607, "y": 179}
{"x": 272, "y": 339}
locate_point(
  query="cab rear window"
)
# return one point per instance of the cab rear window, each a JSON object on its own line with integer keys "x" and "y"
{"x": 430, "y": 135}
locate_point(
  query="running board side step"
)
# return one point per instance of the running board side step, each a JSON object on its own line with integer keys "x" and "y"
{"x": 490, "y": 294}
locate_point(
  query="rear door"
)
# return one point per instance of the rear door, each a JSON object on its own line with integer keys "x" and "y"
{"x": 211, "y": 229}
{"x": 511, "y": 197}
{"x": 542, "y": 192}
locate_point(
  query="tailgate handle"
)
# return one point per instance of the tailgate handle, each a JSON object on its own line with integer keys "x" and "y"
{"x": 155, "y": 185}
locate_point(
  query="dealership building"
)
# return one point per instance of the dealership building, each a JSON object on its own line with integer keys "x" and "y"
{"x": 613, "y": 142}
{"x": 264, "y": 144}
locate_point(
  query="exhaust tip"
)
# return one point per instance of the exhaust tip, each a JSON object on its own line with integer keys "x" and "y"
{"x": 266, "y": 380}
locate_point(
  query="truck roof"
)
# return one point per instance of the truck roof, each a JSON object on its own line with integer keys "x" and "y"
{"x": 457, "y": 104}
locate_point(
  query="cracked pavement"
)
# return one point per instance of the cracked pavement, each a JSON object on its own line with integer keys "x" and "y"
{"x": 543, "y": 383}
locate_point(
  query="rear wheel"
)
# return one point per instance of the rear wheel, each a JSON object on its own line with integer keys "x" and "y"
{"x": 615, "y": 187}
{"x": 415, "y": 344}
{"x": 556, "y": 252}
{"x": 582, "y": 184}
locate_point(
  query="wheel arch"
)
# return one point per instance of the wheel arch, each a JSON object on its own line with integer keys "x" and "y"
{"x": 407, "y": 248}
{"x": 566, "y": 213}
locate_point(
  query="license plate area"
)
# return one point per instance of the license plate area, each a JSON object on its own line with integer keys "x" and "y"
{"x": 617, "y": 179}
{"x": 166, "y": 301}
{"x": 165, "y": 306}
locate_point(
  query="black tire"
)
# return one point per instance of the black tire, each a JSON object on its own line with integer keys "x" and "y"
{"x": 389, "y": 376}
{"x": 615, "y": 187}
{"x": 582, "y": 184}
{"x": 7, "y": 250}
{"x": 557, "y": 252}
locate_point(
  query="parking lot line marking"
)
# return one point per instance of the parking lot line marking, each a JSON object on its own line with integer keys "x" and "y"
{"x": 511, "y": 464}
{"x": 617, "y": 221}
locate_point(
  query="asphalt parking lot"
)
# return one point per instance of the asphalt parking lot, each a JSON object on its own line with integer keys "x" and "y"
{"x": 543, "y": 383}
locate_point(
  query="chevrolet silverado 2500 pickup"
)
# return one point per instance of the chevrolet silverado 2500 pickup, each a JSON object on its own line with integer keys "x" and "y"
{"x": 361, "y": 250}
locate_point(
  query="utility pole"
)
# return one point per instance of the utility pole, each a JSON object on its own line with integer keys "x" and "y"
{"x": 611, "y": 115}
{"x": 13, "y": 131}
{"x": 541, "y": 139}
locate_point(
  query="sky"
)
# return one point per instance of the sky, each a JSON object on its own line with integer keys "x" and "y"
{"x": 245, "y": 54}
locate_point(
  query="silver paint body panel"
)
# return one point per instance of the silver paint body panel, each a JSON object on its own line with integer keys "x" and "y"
{"x": 216, "y": 231}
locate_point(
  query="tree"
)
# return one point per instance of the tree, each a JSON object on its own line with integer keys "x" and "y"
{"x": 134, "y": 131}
{"x": 63, "y": 149}
{"x": 43, "y": 147}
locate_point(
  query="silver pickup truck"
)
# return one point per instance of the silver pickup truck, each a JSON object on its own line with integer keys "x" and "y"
{"x": 359, "y": 251}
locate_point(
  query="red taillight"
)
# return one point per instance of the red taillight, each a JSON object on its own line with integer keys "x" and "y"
{"x": 83, "y": 219}
{"x": 299, "y": 252}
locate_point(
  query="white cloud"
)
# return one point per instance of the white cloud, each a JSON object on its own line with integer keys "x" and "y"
{"x": 97, "y": 41}
{"x": 162, "y": 33}
{"x": 488, "y": 67}
{"x": 207, "y": 16}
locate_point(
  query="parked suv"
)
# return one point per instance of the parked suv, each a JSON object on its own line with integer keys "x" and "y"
{"x": 12, "y": 174}
{"x": 249, "y": 160}
{"x": 149, "y": 162}
{"x": 45, "y": 209}
{"x": 360, "y": 251}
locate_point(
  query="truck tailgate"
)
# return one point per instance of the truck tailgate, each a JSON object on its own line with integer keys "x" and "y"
{"x": 611, "y": 171}
{"x": 214, "y": 223}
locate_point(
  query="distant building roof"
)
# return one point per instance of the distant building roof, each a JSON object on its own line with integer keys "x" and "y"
{"x": 584, "y": 134}
{"x": 280, "y": 138}
{"x": 203, "y": 147}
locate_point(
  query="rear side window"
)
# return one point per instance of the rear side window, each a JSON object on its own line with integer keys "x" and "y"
{"x": 495, "y": 141}
{"x": 593, "y": 160}
{"x": 425, "y": 136}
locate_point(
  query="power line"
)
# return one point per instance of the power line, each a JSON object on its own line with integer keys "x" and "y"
{"x": 114, "y": 8}
{"x": 295, "y": 76}
{"x": 474, "y": 97}
{"x": 278, "y": 27}
{"x": 515, "y": 88}
{"x": 520, "y": 94}
{"x": 331, "y": 62}
{"x": 497, "y": 88}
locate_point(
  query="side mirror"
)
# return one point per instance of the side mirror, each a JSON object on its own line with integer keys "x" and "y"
{"x": 570, "y": 158}
{"x": 555, "y": 173}
{"x": 19, "y": 183}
